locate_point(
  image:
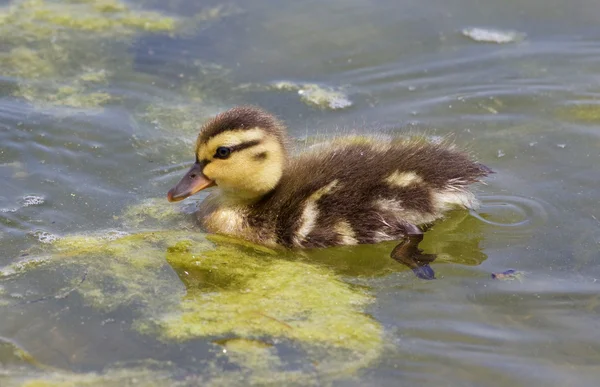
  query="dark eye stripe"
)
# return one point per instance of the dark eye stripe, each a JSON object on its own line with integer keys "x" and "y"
{"x": 244, "y": 145}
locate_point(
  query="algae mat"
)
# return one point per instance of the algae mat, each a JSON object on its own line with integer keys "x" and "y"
{"x": 261, "y": 316}
{"x": 250, "y": 305}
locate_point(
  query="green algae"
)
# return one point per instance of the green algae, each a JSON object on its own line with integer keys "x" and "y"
{"x": 583, "y": 112}
{"x": 316, "y": 95}
{"x": 113, "y": 377}
{"x": 323, "y": 97}
{"x": 233, "y": 290}
{"x": 277, "y": 300}
{"x": 184, "y": 117}
{"x": 254, "y": 304}
{"x": 251, "y": 354}
{"x": 242, "y": 292}
{"x": 149, "y": 212}
{"x": 132, "y": 265}
{"x": 112, "y": 17}
{"x": 46, "y": 47}
{"x": 12, "y": 354}
{"x": 181, "y": 115}
{"x": 312, "y": 94}
{"x": 259, "y": 363}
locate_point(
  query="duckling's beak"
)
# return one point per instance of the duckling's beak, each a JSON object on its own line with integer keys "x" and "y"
{"x": 193, "y": 181}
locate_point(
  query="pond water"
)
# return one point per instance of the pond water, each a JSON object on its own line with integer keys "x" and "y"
{"x": 102, "y": 282}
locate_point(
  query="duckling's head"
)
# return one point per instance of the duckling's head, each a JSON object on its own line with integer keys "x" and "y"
{"x": 242, "y": 151}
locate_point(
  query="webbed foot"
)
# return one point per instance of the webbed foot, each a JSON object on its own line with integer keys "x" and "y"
{"x": 407, "y": 252}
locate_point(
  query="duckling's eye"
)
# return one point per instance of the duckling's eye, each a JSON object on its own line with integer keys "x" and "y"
{"x": 223, "y": 152}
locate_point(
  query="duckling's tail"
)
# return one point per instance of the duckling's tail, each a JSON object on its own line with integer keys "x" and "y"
{"x": 485, "y": 169}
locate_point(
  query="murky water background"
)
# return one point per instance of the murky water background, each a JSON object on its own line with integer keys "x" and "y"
{"x": 99, "y": 110}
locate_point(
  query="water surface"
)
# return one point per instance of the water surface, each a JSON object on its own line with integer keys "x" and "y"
{"x": 98, "y": 115}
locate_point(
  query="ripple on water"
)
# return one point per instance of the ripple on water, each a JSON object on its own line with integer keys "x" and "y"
{"x": 509, "y": 213}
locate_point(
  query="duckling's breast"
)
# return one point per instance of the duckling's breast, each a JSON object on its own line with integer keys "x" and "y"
{"x": 234, "y": 220}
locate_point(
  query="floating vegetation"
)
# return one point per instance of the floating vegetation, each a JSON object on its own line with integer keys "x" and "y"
{"x": 487, "y": 35}
{"x": 584, "y": 112}
{"x": 44, "y": 236}
{"x": 182, "y": 117}
{"x": 3, "y": 302}
{"x": 269, "y": 297}
{"x": 323, "y": 97}
{"x": 24, "y": 265}
{"x": 112, "y": 377}
{"x": 197, "y": 100}
{"x": 509, "y": 275}
{"x": 316, "y": 95}
{"x": 251, "y": 305}
{"x": 32, "y": 200}
{"x": 246, "y": 299}
{"x": 65, "y": 53}
{"x": 12, "y": 354}
{"x": 47, "y": 47}
{"x": 150, "y": 212}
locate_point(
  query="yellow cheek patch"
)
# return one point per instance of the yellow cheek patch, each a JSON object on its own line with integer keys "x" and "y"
{"x": 209, "y": 170}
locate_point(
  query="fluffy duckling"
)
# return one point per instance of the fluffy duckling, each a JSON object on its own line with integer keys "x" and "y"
{"x": 349, "y": 191}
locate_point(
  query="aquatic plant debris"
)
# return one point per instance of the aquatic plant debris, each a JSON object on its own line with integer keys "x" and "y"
{"x": 44, "y": 236}
{"x": 46, "y": 47}
{"x": 269, "y": 317}
{"x": 509, "y": 275}
{"x": 184, "y": 117}
{"x": 3, "y": 302}
{"x": 32, "y": 200}
{"x": 487, "y": 35}
{"x": 246, "y": 299}
{"x": 149, "y": 212}
{"x": 278, "y": 299}
{"x": 586, "y": 111}
{"x": 323, "y": 97}
{"x": 138, "y": 375}
{"x": 317, "y": 95}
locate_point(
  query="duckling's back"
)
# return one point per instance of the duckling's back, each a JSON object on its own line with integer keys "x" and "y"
{"x": 358, "y": 192}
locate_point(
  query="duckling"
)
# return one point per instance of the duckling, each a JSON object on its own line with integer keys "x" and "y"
{"x": 348, "y": 191}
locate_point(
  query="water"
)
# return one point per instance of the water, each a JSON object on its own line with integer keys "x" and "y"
{"x": 96, "y": 126}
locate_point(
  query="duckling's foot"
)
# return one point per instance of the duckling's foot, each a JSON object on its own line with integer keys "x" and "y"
{"x": 408, "y": 253}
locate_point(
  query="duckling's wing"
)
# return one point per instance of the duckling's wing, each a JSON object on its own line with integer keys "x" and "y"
{"x": 368, "y": 193}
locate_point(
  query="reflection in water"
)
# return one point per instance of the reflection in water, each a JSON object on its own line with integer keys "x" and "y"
{"x": 455, "y": 239}
{"x": 521, "y": 215}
